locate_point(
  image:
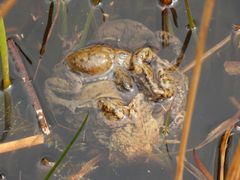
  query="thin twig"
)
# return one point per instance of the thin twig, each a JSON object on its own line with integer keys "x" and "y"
{"x": 21, "y": 143}
{"x": 207, "y": 14}
{"x": 28, "y": 85}
{"x": 219, "y": 130}
{"x": 209, "y": 52}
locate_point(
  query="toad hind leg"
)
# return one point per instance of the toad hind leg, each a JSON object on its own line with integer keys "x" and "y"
{"x": 157, "y": 87}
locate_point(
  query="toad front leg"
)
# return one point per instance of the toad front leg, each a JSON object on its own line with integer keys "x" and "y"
{"x": 113, "y": 109}
{"x": 156, "y": 86}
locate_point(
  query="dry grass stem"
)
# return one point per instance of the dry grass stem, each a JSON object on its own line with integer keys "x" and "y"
{"x": 194, "y": 170}
{"x": 88, "y": 167}
{"x": 209, "y": 52}
{"x": 207, "y": 14}
{"x": 219, "y": 130}
{"x": 21, "y": 143}
{"x": 6, "y": 6}
{"x": 234, "y": 169}
{"x": 223, "y": 148}
{"x": 235, "y": 102}
{"x": 200, "y": 165}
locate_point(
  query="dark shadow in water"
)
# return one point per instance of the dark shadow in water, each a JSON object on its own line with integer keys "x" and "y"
{"x": 7, "y": 115}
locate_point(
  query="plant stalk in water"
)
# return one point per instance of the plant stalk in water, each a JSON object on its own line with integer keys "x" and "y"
{"x": 4, "y": 55}
{"x": 7, "y": 114}
{"x": 206, "y": 17}
{"x": 189, "y": 14}
{"x": 86, "y": 28}
{"x": 63, "y": 17}
{"x": 67, "y": 148}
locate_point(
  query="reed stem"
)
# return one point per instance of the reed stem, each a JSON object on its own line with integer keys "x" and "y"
{"x": 206, "y": 16}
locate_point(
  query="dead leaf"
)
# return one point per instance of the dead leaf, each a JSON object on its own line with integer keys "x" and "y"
{"x": 223, "y": 148}
{"x": 215, "y": 133}
{"x": 232, "y": 67}
{"x": 234, "y": 169}
{"x": 200, "y": 165}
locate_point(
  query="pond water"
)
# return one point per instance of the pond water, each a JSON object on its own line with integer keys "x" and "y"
{"x": 27, "y": 21}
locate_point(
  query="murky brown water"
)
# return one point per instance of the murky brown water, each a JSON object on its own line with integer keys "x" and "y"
{"x": 212, "y": 107}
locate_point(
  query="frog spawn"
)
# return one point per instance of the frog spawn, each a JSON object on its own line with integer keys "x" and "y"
{"x": 131, "y": 95}
{"x": 130, "y": 92}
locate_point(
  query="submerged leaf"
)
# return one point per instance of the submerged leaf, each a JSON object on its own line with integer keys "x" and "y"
{"x": 193, "y": 170}
{"x": 200, "y": 165}
{"x": 232, "y": 67}
{"x": 220, "y": 129}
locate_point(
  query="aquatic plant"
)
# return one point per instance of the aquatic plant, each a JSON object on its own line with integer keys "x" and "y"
{"x": 189, "y": 14}
{"x": 206, "y": 16}
{"x": 67, "y": 148}
{"x": 86, "y": 28}
{"x": 4, "y": 55}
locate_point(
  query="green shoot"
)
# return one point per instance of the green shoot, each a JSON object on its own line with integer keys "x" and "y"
{"x": 67, "y": 149}
{"x": 63, "y": 17}
{"x": 165, "y": 130}
{"x": 189, "y": 14}
{"x": 4, "y": 55}
{"x": 86, "y": 28}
